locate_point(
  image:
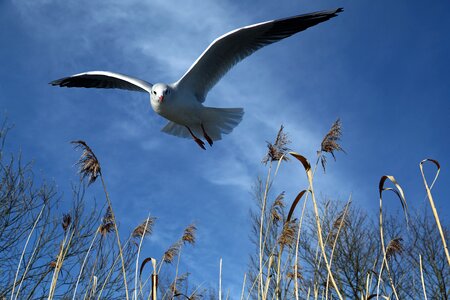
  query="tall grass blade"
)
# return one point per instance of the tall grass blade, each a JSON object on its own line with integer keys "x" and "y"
{"x": 243, "y": 287}
{"x": 421, "y": 278}
{"x": 430, "y": 198}
{"x": 220, "y": 279}
{"x": 401, "y": 196}
{"x": 25, "y": 248}
{"x": 84, "y": 263}
{"x": 307, "y": 167}
{"x": 142, "y": 232}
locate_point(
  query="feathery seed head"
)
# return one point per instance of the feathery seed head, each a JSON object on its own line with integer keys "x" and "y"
{"x": 145, "y": 228}
{"x": 277, "y": 208}
{"x": 278, "y": 149}
{"x": 341, "y": 221}
{"x": 178, "y": 281}
{"x": 279, "y": 200}
{"x": 292, "y": 275}
{"x": 107, "y": 222}
{"x": 330, "y": 142}
{"x": 172, "y": 252}
{"x": 289, "y": 233}
{"x": 394, "y": 247}
{"x": 66, "y": 221}
{"x": 189, "y": 234}
{"x": 89, "y": 166}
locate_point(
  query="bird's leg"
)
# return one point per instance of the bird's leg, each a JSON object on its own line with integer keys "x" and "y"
{"x": 196, "y": 139}
{"x": 208, "y": 139}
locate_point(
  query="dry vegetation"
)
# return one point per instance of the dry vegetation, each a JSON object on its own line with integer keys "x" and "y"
{"x": 78, "y": 254}
{"x": 305, "y": 248}
{"x": 334, "y": 250}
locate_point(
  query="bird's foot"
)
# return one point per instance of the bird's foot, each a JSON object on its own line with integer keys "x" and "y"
{"x": 196, "y": 139}
{"x": 200, "y": 143}
{"x": 208, "y": 139}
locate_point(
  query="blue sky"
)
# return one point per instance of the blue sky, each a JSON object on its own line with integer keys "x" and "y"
{"x": 381, "y": 66}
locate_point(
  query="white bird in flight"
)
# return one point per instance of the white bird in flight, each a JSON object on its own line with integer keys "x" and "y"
{"x": 182, "y": 102}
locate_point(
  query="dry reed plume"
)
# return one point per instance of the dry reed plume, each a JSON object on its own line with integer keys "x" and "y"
{"x": 107, "y": 224}
{"x": 394, "y": 248}
{"x": 189, "y": 234}
{"x": 172, "y": 252}
{"x": 288, "y": 234}
{"x": 67, "y": 218}
{"x": 277, "y": 151}
{"x": 341, "y": 221}
{"x": 89, "y": 166}
{"x": 330, "y": 142}
{"x": 145, "y": 228}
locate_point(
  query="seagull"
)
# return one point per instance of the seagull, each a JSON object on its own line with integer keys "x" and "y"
{"x": 181, "y": 102}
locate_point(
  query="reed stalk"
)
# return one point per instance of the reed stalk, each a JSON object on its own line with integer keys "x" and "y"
{"x": 25, "y": 248}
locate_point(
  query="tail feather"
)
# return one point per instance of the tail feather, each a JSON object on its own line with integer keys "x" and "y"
{"x": 175, "y": 129}
{"x": 216, "y": 121}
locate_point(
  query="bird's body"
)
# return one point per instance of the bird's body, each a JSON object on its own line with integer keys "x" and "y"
{"x": 182, "y": 108}
{"x": 182, "y": 102}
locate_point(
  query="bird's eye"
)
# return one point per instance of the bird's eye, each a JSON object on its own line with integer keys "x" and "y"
{"x": 154, "y": 92}
{"x": 165, "y": 92}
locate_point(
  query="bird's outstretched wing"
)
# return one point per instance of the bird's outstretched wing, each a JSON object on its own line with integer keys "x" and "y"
{"x": 104, "y": 80}
{"x": 232, "y": 47}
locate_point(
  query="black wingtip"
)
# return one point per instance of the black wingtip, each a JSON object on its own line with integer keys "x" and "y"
{"x": 56, "y": 82}
{"x": 334, "y": 13}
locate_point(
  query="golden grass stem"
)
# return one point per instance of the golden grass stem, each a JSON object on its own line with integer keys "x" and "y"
{"x": 27, "y": 267}
{"x": 61, "y": 256}
{"x": 137, "y": 258}
{"x": 267, "y": 187}
{"x": 220, "y": 279}
{"x": 280, "y": 253}
{"x": 370, "y": 278}
{"x": 84, "y": 263}
{"x": 401, "y": 195}
{"x": 309, "y": 175}
{"x": 278, "y": 275}
{"x": 154, "y": 281}
{"x": 25, "y": 248}
{"x": 341, "y": 224}
{"x": 117, "y": 236}
{"x": 433, "y": 207}
{"x": 243, "y": 287}
{"x": 261, "y": 245}
{"x": 94, "y": 287}
{"x": 421, "y": 278}
{"x": 255, "y": 281}
{"x": 111, "y": 271}
{"x": 268, "y": 277}
{"x": 297, "y": 243}
{"x": 176, "y": 272}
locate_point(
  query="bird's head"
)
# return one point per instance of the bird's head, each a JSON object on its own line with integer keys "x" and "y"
{"x": 159, "y": 92}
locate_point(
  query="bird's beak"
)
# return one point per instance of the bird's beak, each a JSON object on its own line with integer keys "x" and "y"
{"x": 161, "y": 99}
